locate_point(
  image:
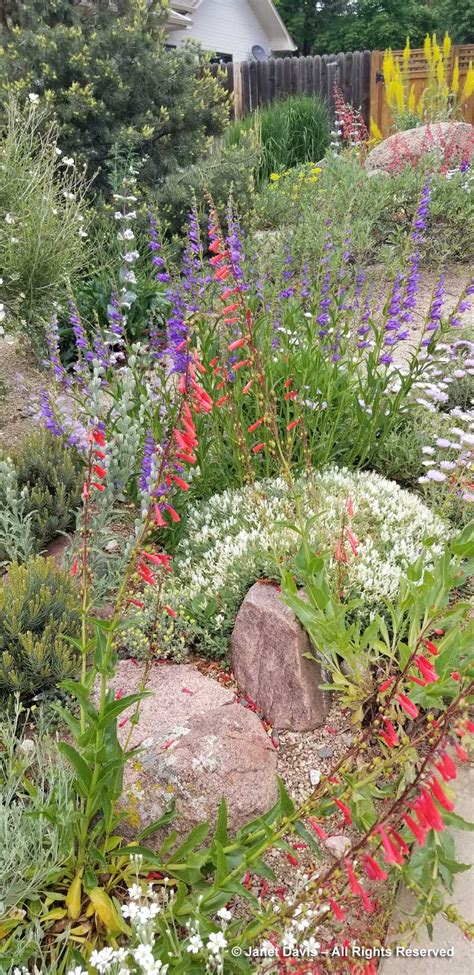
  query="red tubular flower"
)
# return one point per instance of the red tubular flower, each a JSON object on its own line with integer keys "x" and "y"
{"x": 215, "y": 246}
{"x": 407, "y": 705}
{"x": 229, "y": 309}
{"x": 237, "y": 344}
{"x": 159, "y": 520}
{"x": 455, "y": 675}
{"x": 386, "y": 684}
{"x": 317, "y": 829}
{"x": 418, "y": 832}
{"x": 172, "y": 513}
{"x": 446, "y": 767}
{"x": 222, "y": 273}
{"x": 419, "y": 809}
{"x": 345, "y": 811}
{"x": 100, "y": 454}
{"x": 432, "y": 814}
{"x": 231, "y": 321}
{"x": 341, "y": 554}
{"x": 189, "y": 458}
{"x": 461, "y": 752}
{"x": 354, "y": 884}
{"x": 470, "y": 726}
{"x": 256, "y": 425}
{"x": 146, "y": 575}
{"x": 99, "y": 470}
{"x": 389, "y": 735}
{"x": 214, "y": 361}
{"x": 292, "y": 394}
{"x": 136, "y": 602}
{"x": 291, "y": 859}
{"x": 227, "y": 293}
{"x": 350, "y": 507}
{"x": 352, "y": 542}
{"x": 241, "y": 364}
{"x": 373, "y": 869}
{"x": 74, "y": 568}
{"x": 418, "y": 680}
{"x": 97, "y": 486}
{"x": 222, "y": 400}
{"x": 247, "y": 387}
{"x": 431, "y": 648}
{"x": 293, "y": 424}
{"x": 368, "y": 904}
{"x": 400, "y": 841}
{"x": 440, "y": 795}
{"x": 426, "y": 669}
{"x": 180, "y": 483}
{"x": 258, "y": 447}
{"x": 337, "y": 911}
{"x": 98, "y": 437}
{"x": 217, "y": 259}
{"x": 170, "y": 611}
{"x": 391, "y": 852}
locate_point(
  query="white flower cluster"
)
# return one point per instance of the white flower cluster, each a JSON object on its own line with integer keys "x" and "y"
{"x": 233, "y": 538}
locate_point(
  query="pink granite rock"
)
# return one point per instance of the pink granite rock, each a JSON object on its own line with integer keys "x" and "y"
{"x": 267, "y": 655}
{"x": 199, "y": 747}
{"x": 454, "y": 138}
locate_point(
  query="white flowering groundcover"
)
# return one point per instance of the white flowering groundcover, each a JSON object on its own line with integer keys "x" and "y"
{"x": 241, "y": 535}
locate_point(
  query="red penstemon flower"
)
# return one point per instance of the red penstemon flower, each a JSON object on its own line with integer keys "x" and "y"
{"x": 345, "y": 810}
{"x": 408, "y": 706}
{"x": 425, "y": 668}
{"x": 440, "y": 795}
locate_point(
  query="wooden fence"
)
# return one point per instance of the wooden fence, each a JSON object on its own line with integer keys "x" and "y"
{"x": 359, "y": 74}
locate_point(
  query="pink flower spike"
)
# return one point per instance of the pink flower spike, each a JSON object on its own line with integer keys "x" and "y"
{"x": 350, "y": 507}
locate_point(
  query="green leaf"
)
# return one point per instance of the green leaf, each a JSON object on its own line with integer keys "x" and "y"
{"x": 82, "y": 770}
{"x": 115, "y": 708}
{"x": 221, "y": 828}
{"x": 166, "y": 818}
{"x": 287, "y": 805}
{"x": 196, "y": 838}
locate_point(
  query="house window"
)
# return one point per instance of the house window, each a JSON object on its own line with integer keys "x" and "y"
{"x": 221, "y": 58}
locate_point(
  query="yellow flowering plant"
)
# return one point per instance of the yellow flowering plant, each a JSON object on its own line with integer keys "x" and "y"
{"x": 442, "y": 99}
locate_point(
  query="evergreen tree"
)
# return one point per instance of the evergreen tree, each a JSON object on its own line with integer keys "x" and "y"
{"x": 111, "y": 83}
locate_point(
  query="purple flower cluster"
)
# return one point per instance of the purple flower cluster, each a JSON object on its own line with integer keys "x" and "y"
{"x": 155, "y": 247}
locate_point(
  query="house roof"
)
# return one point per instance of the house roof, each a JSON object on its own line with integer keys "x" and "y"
{"x": 280, "y": 39}
{"x": 181, "y": 11}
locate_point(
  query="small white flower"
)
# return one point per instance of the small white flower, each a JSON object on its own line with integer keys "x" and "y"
{"x": 68, "y": 161}
{"x": 102, "y": 960}
{"x": 224, "y": 914}
{"x": 33, "y": 98}
{"x": 9, "y": 219}
{"x": 195, "y": 944}
{"x": 216, "y": 943}
{"x": 77, "y": 971}
{"x": 135, "y": 892}
{"x": 144, "y": 956}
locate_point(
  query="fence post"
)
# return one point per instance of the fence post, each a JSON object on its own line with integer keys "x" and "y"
{"x": 376, "y": 89}
{"x": 238, "y": 109}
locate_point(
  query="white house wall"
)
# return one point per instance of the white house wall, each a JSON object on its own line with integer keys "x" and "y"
{"x": 226, "y": 26}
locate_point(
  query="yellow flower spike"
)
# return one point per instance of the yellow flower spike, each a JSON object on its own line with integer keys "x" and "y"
{"x": 446, "y": 46}
{"x": 469, "y": 83}
{"x": 455, "y": 78}
{"x": 440, "y": 72}
{"x": 436, "y": 49}
{"x": 427, "y": 48}
{"x": 375, "y": 133}
{"x": 411, "y": 100}
{"x": 407, "y": 53}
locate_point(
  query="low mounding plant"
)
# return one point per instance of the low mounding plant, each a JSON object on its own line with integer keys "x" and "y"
{"x": 38, "y": 610}
{"x": 50, "y": 478}
{"x": 292, "y": 131}
{"x": 236, "y": 537}
{"x": 42, "y": 220}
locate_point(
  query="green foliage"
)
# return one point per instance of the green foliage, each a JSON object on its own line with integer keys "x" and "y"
{"x": 33, "y": 847}
{"x": 341, "y": 25}
{"x": 38, "y": 609}
{"x": 228, "y": 170}
{"x": 292, "y": 131}
{"x": 111, "y": 83}
{"x": 42, "y": 219}
{"x": 380, "y": 211}
{"x": 51, "y": 478}
{"x": 356, "y": 656}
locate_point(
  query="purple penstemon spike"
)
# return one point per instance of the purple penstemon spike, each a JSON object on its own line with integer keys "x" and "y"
{"x": 146, "y": 470}
{"x": 154, "y": 244}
